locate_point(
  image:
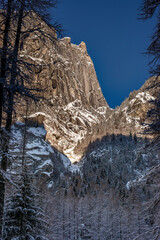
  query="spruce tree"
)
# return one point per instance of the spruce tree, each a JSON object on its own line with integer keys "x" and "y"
{"x": 24, "y": 219}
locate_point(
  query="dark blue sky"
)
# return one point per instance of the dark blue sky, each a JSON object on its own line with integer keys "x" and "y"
{"x": 115, "y": 41}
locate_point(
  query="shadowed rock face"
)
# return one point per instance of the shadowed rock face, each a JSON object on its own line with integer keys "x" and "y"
{"x": 74, "y": 111}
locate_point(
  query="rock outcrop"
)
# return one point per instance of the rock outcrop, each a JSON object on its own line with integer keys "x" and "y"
{"x": 74, "y": 111}
{"x": 131, "y": 116}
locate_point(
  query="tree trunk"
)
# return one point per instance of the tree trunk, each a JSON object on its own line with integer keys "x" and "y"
{"x": 2, "y": 180}
{"x": 11, "y": 91}
{"x": 10, "y": 108}
{"x": 4, "y": 56}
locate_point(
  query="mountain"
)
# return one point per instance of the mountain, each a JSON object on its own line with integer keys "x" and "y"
{"x": 74, "y": 111}
{"x": 74, "y": 108}
{"x": 98, "y": 173}
{"x": 130, "y": 116}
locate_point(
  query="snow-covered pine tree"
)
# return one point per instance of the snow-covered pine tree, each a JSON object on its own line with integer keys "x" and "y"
{"x": 24, "y": 219}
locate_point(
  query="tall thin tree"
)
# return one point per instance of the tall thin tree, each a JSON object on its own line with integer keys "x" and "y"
{"x": 9, "y": 67}
{"x": 148, "y": 9}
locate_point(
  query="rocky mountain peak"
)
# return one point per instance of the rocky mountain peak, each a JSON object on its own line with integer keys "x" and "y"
{"x": 75, "y": 112}
{"x": 82, "y": 45}
{"x": 74, "y": 108}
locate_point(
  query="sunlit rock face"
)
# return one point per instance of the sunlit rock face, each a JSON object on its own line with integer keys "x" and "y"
{"x": 74, "y": 109}
{"x": 130, "y": 116}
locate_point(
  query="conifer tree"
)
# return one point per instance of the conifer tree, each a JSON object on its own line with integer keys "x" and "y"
{"x": 24, "y": 219}
{"x": 148, "y": 9}
{"x": 12, "y": 28}
{"x": 12, "y": 78}
{"x": 6, "y": 9}
{"x": 154, "y": 115}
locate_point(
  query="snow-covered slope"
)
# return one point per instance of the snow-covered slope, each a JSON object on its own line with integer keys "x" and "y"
{"x": 131, "y": 115}
{"x": 28, "y": 144}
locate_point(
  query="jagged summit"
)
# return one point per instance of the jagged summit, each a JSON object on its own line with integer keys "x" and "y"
{"x": 74, "y": 108}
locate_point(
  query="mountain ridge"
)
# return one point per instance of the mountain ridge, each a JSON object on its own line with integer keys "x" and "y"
{"x": 74, "y": 111}
{"x": 97, "y": 172}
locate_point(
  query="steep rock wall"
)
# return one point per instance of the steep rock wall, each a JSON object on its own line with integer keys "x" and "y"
{"x": 74, "y": 109}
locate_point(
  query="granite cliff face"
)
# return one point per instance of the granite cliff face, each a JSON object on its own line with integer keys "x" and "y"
{"x": 74, "y": 111}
